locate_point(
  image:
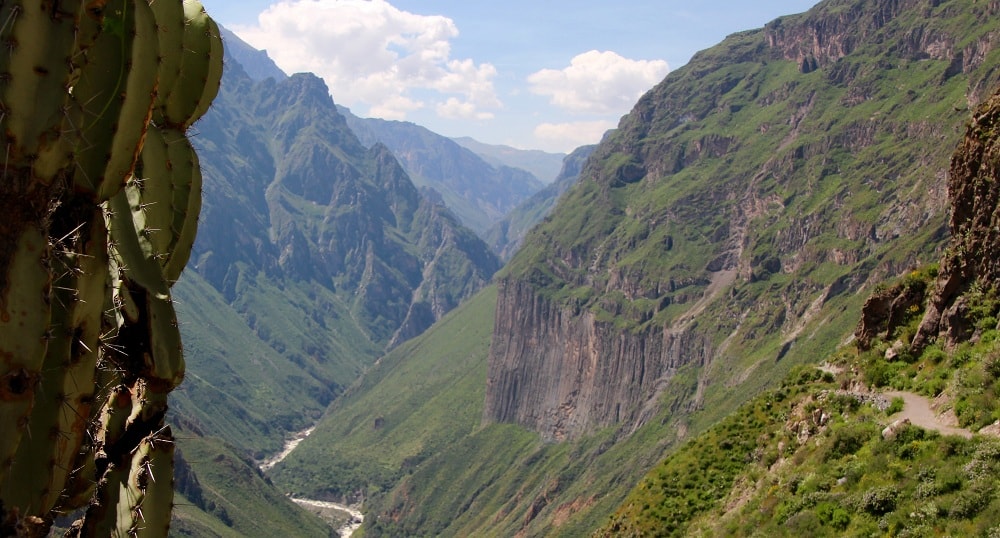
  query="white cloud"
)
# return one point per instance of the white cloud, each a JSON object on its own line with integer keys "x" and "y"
{"x": 461, "y": 110}
{"x": 598, "y": 82}
{"x": 565, "y": 137}
{"x": 371, "y": 53}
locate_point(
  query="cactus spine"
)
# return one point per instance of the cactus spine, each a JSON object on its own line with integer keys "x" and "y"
{"x": 100, "y": 191}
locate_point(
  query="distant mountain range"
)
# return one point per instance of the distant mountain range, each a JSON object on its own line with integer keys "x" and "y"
{"x": 314, "y": 255}
{"x": 544, "y": 165}
{"x": 479, "y": 193}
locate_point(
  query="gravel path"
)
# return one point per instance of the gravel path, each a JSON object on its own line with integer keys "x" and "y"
{"x": 918, "y": 410}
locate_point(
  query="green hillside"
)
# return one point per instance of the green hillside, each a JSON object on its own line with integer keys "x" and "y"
{"x": 821, "y": 455}
{"x": 411, "y": 405}
{"x": 222, "y": 493}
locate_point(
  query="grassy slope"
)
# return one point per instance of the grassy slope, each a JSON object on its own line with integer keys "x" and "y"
{"x": 235, "y": 383}
{"x": 413, "y": 403}
{"x": 240, "y": 500}
{"x": 756, "y": 476}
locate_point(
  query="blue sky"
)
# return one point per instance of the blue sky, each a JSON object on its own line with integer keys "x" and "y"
{"x": 535, "y": 74}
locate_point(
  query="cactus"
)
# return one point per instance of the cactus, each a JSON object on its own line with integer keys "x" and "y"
{"x": 100, "y": 191}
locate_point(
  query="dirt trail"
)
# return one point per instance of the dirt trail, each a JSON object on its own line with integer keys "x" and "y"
{"x": 918, "y": 410}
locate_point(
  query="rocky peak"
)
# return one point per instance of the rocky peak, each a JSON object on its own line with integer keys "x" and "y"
{"x": 973, "y": 255}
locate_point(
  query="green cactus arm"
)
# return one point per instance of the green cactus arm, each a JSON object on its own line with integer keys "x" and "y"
{"x": 135, "y": 499}
{"x": 201, "y": 69}
{"x": 133, "y": 252}
{"x": 24, "y": 316}
{"x": 171, "y": 201}
{"x": 39, "y": 43}
{"x": 62, "y": 406}
{"x": 137, "y": 98}
{"x": 158, "y": 496}
{"x": 184, "y": 171}
{"x": 114, "y": 96}
{"x": 165, "y": 364}
{"x": 170, "y": 34}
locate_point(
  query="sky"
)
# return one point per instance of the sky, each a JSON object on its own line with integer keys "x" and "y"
{"x": 533, "y": 74}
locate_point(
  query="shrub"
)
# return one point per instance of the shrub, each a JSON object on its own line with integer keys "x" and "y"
{"x": 970, "y": 502}
{"x": 880, "y": 500}
{"x": 934, "y": 354}
{"x": 846, "y": 440}
{"x": 895, "y": 407}
{"x": 832, "y": 515}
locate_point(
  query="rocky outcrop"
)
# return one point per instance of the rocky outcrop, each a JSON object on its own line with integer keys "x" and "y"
{"x": 835, "y": 29}
{"x": 887, "y": 310}
{"x": 583, "y": 373}
{"x": 974, "y": 192}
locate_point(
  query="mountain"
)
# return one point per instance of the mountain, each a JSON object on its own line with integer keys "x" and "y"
{"x": 726, "y": 234}
{"x": 477, "y": 192}
{"x": 834, "y": 455}
{"x": 760, "y": 187}
{"x": 544, "y": 165}
{"x": 255, "y": 63}
{"x": 505, "y": 236}
{"x": 314, "y": 255}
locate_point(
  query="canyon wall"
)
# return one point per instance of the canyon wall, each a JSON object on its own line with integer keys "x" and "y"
{"x": 743, "y": 201}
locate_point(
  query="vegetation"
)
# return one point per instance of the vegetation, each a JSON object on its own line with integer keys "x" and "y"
{"x": 227, "y": 495}
{"x": 807, "y": 458}
{"x": 101, "y": 195}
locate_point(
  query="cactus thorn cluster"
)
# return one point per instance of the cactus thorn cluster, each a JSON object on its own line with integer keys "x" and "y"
{"x": 100, "y": 190}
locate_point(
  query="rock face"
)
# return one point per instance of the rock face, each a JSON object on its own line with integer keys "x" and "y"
{"x": 583, "y": 373}
{"x": 974, "y": 192}
{"x": 737, "y": 209}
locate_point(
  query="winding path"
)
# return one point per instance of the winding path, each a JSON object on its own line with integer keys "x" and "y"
{"x": 918, "y": 410}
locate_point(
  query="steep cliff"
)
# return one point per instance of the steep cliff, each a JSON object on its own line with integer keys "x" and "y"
{"x": 973, "y": 255}
{"x": 737, "y": 209}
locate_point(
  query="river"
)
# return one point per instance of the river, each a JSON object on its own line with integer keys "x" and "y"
{"x": 356, "y": 519}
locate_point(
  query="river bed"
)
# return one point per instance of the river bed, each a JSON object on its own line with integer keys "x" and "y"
{"x": 356, "y": 517}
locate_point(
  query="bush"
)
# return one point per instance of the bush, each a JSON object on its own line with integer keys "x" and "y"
{"x": 934, "y": 354}
{"x": 970, "y": 502}
{"x": 895, "y": 407}
{"x": 880, "y": 500}
{"x": 832, "y": 515}
{"x": 846, "y": 440}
